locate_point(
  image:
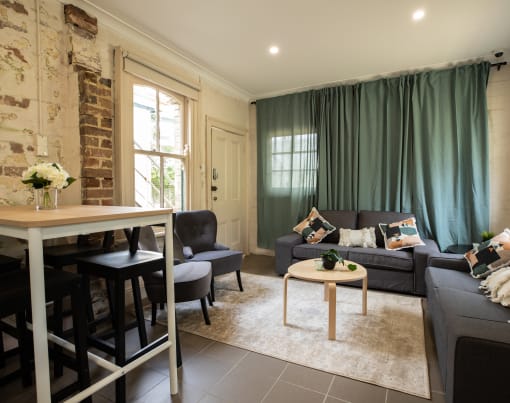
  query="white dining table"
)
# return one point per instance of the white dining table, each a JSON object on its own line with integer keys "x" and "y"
{"x": 35, "y": 226}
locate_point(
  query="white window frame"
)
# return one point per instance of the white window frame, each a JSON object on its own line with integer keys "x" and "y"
{"x": 129, "y": 72}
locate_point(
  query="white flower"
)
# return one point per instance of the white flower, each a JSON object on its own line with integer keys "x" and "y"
{"x": 47, "y": 174}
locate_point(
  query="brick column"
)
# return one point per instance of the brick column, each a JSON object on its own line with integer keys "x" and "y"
{"x": 96, "y": 112}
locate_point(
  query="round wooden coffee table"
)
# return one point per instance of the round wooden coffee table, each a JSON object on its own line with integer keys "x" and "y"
{"x": 306, "y": 270}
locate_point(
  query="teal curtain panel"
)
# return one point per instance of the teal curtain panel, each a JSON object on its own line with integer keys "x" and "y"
{"x": 415, "y": 143}
{"x": 287, "y": 164}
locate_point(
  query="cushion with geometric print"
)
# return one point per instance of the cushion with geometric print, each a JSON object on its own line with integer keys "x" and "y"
{"x": 314, "y": 227}
{"x": 490, "y": 255}
{"x": 401, "y": 234}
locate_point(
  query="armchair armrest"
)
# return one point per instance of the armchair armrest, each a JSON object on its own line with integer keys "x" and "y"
{"x": 283, "y": 251}
{"x": 421, "y": 254}
{"x": 219, "y": 246}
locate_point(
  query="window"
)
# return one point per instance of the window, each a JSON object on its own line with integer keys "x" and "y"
{"x": 293, "y": 161}
{"x": 155, "y": 118}
{"x": 159, "y": 147}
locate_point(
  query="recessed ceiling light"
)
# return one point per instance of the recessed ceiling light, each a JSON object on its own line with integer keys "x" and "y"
{"x": 418, "y": 14}
{"x": 274, "y": 50}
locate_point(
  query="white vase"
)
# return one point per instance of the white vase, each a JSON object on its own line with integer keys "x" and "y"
{"x": 46, "y": 198}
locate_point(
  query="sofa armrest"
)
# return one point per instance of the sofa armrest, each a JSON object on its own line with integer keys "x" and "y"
{"x": 421, "y": 254}
{"x": 450, "y": 261}
{"x": 283, "y": 251}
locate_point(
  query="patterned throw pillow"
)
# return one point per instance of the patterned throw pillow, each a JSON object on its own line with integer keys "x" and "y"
{"x": 401, "y": 234}
{"x": 490, "y": 255}
{"x": 364, "y": 237}
{"x": 314, "y": 227}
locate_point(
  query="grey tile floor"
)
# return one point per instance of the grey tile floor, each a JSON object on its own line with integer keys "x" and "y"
{"x": 214, "y": 372}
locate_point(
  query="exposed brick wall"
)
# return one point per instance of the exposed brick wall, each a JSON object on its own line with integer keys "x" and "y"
{"x": 96, "y": 112}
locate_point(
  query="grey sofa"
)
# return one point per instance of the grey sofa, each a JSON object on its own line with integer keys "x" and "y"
{"x": 401, "y": 271}
{"x": 472, "y": 334}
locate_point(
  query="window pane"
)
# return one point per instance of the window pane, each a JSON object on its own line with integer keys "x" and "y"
{"x": 147, "y": 170}
{"x": 170, "y": 124}
{"x": 144, "y": 118}
{"x": 174, "y": 184}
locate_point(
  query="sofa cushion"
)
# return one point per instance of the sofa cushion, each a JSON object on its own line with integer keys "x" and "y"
{"x": 340, "y": 219}
{"x": 401, "y": 234}
{"x": 446, "y": 278}
{"x": 314, "y": 227}
{"x": 489, "y": 255}
{"x": 379, "y": 258}
{"x": 307, "y": 251}
{"x": 374, "y": 218}
{"x": 364, "y": 237}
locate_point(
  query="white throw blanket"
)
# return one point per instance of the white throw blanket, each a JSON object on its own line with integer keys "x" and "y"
{"x": 497, "y": 286}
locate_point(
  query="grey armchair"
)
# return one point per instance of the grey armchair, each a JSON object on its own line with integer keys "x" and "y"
{"x": 197, "y": 231}
{"x": 191, "y": 279}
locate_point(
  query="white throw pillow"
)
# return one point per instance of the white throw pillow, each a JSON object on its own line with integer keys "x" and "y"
{"x": 364, "y": 237}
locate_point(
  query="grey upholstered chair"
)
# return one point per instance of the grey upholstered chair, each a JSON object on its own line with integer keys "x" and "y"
{"x": 192, "y": 280}
{"x": 197, "y": 231}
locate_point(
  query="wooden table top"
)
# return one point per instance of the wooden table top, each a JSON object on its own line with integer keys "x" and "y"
{"x": 28, "y": 216}
{"x": 306, "y": 270}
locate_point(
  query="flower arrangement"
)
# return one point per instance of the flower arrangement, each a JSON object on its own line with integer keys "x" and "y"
{"x": 47, "y": 175}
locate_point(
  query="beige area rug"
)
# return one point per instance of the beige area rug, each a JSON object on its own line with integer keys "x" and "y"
{"x": 385, "y": 348}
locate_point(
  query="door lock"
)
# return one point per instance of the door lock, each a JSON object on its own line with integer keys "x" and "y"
{"x": 215, "y": 198}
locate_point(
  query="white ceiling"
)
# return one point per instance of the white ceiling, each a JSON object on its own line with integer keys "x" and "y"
{"x": 321, "y": 41}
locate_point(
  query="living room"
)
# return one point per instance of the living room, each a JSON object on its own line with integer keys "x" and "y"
{"x": 60, "y": 68}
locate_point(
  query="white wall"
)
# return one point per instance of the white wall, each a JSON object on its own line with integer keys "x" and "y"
{"x": 498, "y": 104}
{"x": 55, "y": 85}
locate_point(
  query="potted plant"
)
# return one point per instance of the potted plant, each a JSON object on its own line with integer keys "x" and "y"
{"x": 486, "y": 235}
{"x": 329, "y": 259}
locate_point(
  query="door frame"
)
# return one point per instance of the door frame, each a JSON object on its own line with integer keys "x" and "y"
{"x": 219, "y": 124}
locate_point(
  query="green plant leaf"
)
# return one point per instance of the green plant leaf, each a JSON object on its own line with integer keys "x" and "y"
{"x": 352, "y": 266}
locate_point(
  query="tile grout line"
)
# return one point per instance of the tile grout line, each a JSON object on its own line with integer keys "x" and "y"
{"x": 234, "y": 366}
{"x": 275, "y": 382}
{"x": 329, "y": 389}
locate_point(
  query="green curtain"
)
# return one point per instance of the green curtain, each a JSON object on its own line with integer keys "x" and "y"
{"x": 384, "y": 145}
{"x": 450, "y": 170}
{"x": 336, "y": 112}
{"x": 416, "y": 143}
{"x": 287, "y": 164}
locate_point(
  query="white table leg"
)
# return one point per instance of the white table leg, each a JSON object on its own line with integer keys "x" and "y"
{"x": 170, "y": 303}
{"x": 40, "y": 330}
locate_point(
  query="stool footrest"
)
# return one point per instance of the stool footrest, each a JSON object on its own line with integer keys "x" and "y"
{"x": 149, "y": 347}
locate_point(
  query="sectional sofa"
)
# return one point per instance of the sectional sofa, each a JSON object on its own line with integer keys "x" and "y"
{"x": 400, "y": 270}
{"x": 472, "y": 334}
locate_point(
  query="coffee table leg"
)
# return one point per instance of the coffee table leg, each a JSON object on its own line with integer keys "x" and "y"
{"x": 285, "y": 283}
{"x": 365, "y": 286}
{"x": 332, "y": 310}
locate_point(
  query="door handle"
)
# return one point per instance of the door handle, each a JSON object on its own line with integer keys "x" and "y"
{"x": 214, "y": 188}
{"x": 214, "y": 173}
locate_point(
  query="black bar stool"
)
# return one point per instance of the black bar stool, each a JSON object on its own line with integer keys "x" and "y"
{"x": 7, "y": 264}
{"x": 117, "y": 268}
{"x": 15, "y": 299}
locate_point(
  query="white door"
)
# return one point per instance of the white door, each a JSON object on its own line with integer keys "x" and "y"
{"x": 228, "y": 186}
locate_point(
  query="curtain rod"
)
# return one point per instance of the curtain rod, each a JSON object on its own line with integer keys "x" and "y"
{"x": 498, "y": 65}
